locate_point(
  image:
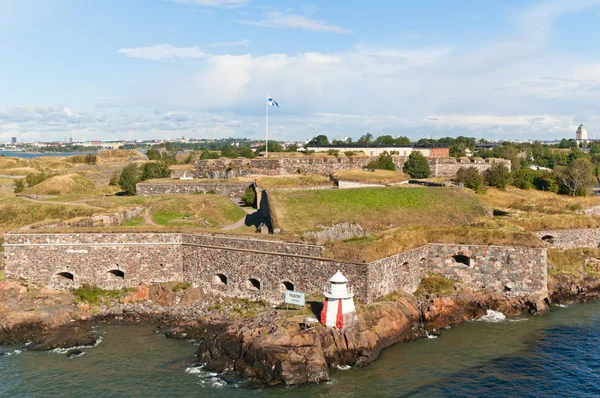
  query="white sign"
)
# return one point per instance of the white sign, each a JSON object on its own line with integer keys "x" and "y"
{"x": 296, "y": 298}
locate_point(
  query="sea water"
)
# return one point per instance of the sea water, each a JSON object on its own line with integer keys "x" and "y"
{"x": 527, "y": 356}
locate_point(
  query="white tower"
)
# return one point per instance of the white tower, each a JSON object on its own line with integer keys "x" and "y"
{"x": 581, "y": 135}
{"x": 338, "y": 308}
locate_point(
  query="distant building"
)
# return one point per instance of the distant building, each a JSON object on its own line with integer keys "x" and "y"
{"x": 581, "y": 135}
{"x": 378, "y": 150}
{"x": 14, "y": 140}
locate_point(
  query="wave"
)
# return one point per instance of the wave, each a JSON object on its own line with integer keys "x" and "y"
{"x": 493, "y": 316}
{"x": 66, "y": 350}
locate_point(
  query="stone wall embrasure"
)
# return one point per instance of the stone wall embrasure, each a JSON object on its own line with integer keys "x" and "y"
{"x": 235, "y": 191}
{"x": 571, "y": 238}
{"x": 227, "y": 168}
{"x": 90, "y": 258}
{"x": 235, "y": 266}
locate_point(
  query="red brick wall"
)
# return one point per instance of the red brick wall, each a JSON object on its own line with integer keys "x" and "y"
{"x": 439, "y": 152}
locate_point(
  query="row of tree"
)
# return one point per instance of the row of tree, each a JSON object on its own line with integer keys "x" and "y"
{"x": 575, "y": 179}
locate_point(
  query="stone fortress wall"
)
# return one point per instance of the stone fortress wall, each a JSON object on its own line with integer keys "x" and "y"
{"x": 235, "y": 191}
{"x": 261, "y": 269}
{"x": 571, "y": 238}
{"x": 228, "y": 168}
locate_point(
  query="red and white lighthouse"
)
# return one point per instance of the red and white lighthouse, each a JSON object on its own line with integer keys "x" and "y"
{"x": 338, "y": 308}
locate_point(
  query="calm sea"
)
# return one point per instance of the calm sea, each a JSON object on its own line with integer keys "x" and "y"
{"x": 554, "y": 355}
{"x": 36, "y": 155}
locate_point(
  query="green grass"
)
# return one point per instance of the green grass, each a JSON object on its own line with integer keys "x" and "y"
{"x": 134, "y": 222}
{"x": 94, "y": 295}
{"x": 375, "y": 209}
{"x": 1, "y": 275}
{"x": 572, "y": 261}
{"x": 181, "y": 286}
{"x": 164, "y": 217}
{"x": 435, "y": 284}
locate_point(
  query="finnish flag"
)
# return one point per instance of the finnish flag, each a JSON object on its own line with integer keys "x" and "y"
{"x": 272, "y": 102}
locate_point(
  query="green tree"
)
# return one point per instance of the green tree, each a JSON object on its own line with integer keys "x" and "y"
{"x": 402, "y": 141}
{"x": 273, "y": 147}
{"x": 249, "y": 197}
{"x": 320, "y": 140}
{"x": 384, "y": 162}
{"x": 417, "y": 166}
{"x": 366, "y": 139}
{"x": 208, "y": 155}
{"x": 384, "y": 140}
{"x": 130, "y": 176}
{"x": 470, "y": 178}
{"x": 497, "y": 176}
{"x": 152, "y": 170}
{"x": 524, "y": 178}
{"x": 546, "y": 180}
{"x": 153, "y": 154}
{"x": 577, "y": 178}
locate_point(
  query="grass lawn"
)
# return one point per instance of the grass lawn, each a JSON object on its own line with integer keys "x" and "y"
{"x": 1, "y": 275}
{"x": 371, "y": 177}
{"x": 134, "y": 222}
{"x": 213, "y": 211}
{"x": 375, "y": 209}
{"x": 571, "y": 261}
{"x": 293, "y": 181}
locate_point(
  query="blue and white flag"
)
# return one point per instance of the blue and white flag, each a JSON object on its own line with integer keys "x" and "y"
{"x": 272, "y": 102}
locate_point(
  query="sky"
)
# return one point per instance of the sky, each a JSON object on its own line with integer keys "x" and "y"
{"x": 152, "y": 69}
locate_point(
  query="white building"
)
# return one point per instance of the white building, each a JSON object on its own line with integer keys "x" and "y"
{"x": 581, "y": 135}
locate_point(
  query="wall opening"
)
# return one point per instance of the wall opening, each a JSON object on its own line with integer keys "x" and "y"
{"x": 219, "y": 280}
{"x": 405, "y": 264}
{"x": 285, "y": 285}
{"x": 66, "y": 275}
{"x": 548, "y": 239}
{"x": 462, "y": 259}
{"x": 253, "y": 284}
{"x": 118, "y": 274}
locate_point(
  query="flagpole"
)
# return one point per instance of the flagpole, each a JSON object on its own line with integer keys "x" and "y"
{"x": 267, "y": 127}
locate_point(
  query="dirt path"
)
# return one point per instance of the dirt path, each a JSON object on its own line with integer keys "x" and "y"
{"x": 241, "y": 222}
{"x": 148, "y": 218}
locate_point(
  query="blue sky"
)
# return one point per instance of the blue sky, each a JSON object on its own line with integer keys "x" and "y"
{"x": 201, "y": 68}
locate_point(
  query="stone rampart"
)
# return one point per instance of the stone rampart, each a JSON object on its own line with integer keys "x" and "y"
{"x": 102, "y": 220}
{"x": 253, "y": 268}
{"x": 106, "y": 260}
{"x": 235, "y": 191}
{"x": 571, "y": 238}
{"x": 227, "y": 168}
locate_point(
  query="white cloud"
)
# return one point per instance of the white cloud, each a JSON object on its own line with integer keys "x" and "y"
{"x": 291, "y": 21}
{"x": 214, "y": 3}
{"x": 162, "y": 52}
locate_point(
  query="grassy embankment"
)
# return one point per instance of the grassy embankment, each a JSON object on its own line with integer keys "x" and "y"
{"x": 404, "y": 218}
{"x": 375, "y": 209}
{"x": 371, "y": 177}
{"x": 574, "y": 262}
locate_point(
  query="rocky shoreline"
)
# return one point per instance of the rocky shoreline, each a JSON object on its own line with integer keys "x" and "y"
{"x": 271, "y": 345}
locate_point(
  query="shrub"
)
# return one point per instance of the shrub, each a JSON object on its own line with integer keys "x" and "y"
{"x": 94, "y": 295}
{"x": 114, "y": 180}
{"x": 524, "y": 178}
{"x": 90, "y": 158}
{"x": 417, "y": 166}
{"x": 333, "y": 152}
{"x": 545, "y": 181}
{"x": 34, "y": 179}
{"x": 208, "y": 155}
{"x": 350, "y": 153}
{"x": 497, "y": 176}
{"x": 470, "y": 178}
{"x": 152, "y": 170}
{"x": 249, "y": 197}
{"x": 153, "y": 154}
{"x": 130, "y": 176}
{"x": 384, "y": 162}
{"x": 19, "y": 185}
